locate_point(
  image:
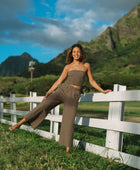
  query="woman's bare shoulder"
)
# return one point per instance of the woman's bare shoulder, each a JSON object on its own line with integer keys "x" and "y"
{"x": 87, "y": 65}
{"x": 66, "y": 67}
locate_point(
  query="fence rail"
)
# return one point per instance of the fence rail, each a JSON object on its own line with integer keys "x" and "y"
{"x": 115, "y": 125}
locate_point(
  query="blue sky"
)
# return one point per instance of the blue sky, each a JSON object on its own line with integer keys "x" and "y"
{"x": 45, "y": 28}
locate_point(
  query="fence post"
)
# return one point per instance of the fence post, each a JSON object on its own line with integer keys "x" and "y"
{"x": 13, "y": 107}
{"x": 54, "y": 125}
{"x": 1, "y": 108}
{"x": 32, "y": 104}
{"x": 114, "y": 139}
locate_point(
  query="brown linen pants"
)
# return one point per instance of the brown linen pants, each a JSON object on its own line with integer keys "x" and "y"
{"x": 63, "y": 94}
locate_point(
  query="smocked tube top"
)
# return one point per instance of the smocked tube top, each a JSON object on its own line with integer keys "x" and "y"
{"x": 75, "y": 77}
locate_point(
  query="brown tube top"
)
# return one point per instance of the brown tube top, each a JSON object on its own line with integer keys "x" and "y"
{"x": 75, "y": 77}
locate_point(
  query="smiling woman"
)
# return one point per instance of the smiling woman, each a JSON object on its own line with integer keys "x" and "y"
{"x": 67, "y": 92}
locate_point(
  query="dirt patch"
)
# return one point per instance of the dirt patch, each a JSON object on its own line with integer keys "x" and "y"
{"x": 102, "y": 116}
{"x": 132, "y": 119}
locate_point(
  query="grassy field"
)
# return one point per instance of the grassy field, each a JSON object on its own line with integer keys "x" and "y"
{"x": 21, "y": 150}
{"x": 94, "y": 109}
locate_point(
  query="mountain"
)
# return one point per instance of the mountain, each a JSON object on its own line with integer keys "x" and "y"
{"x": 14, "y": 65}
{"x": 116, "y": 50}
{"x": 54, "y": 67}
{"x": 125, "y": 30}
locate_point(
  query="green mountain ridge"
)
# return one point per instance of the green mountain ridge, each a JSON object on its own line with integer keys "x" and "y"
{"x": 114, "y": 57}
{"x": 113, "y": 46}
{"x": 14, "y": 65}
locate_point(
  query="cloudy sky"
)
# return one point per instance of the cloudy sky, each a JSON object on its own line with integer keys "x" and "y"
{"x": 44, "y": 28}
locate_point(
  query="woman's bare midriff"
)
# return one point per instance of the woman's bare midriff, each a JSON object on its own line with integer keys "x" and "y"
{"x": 77, "y": 87}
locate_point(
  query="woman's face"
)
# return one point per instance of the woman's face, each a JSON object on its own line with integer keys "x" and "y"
{"x": 76, "y": 53}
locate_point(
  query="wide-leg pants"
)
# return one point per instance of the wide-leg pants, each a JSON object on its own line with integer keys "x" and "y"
{"x": 63, "y": 94}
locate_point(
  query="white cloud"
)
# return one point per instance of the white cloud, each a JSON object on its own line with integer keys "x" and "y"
{"x": 82, "y": 20}
{"x": 105, "y": 10}
{"x": 45, "y": 4}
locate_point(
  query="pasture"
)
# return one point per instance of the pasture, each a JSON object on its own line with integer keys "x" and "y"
{"x": 25, "y": 150}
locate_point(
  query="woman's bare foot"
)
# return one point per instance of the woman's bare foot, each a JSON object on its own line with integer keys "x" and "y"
{"x": 16, "y": 126}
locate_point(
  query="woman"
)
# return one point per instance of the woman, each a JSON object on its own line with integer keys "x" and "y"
{"x": 67, "y": 93}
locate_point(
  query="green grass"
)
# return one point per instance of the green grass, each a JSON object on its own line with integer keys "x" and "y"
{"x": 21, "y": 150}
{"x": 91, "y": 109}
{"x": 100, "y": 109}
{"x": 131, "y": 143}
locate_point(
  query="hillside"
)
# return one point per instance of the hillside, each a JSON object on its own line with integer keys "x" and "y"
{"x": 114, "y": 57}
{"x": 14, "y": 65}
{"x": 118, "y": 45}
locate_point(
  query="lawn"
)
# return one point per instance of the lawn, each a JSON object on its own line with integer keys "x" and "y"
{"x": 22, "y": 150}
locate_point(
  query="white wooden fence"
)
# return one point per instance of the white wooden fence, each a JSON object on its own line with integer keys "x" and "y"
{"x": 115, "y": 125}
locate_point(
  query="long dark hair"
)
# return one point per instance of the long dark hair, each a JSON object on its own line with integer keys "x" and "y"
{"x": 82, "y": 58}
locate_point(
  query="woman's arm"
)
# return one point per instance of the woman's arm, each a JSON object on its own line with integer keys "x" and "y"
{"x": 59, "y": 81}
{"x": 93, "y": 82}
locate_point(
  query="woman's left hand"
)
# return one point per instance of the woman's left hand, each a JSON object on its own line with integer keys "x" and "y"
{"x": 107, "y": 91}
